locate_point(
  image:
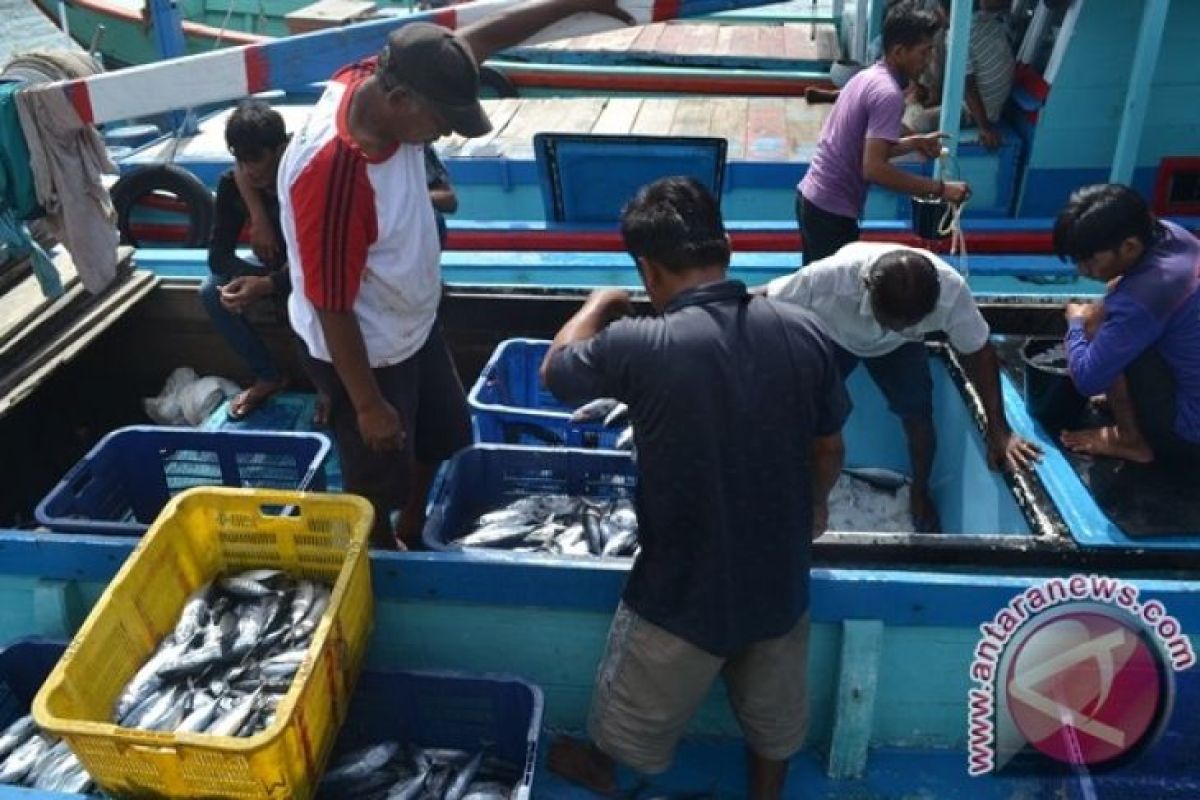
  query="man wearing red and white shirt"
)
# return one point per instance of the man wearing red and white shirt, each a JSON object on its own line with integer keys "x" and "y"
{"x": 365, "y": 256}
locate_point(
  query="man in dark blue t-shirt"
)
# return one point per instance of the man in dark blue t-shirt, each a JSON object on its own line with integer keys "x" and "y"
{"x": 737, "y": 408}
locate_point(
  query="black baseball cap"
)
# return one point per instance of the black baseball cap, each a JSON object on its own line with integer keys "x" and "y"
{"x": 436, "y": 65}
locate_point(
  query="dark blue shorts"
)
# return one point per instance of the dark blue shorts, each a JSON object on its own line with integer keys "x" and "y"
{"x": 902, "y": 375}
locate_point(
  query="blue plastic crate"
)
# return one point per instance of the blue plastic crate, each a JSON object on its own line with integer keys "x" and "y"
{"x": 24, "y": 665}
{"x": 485, "y": 477}
{"x": 457, "y": 710}
{"x": 124, "y": 482}
{"x": 509, "y": 404}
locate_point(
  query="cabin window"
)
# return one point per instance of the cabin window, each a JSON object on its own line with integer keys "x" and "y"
{"x": 1177, "y": 190}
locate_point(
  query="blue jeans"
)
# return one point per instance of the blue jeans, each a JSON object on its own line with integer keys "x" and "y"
{"x": 237, "y": 331}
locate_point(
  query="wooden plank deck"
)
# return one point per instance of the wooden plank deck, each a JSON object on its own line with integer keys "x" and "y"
{"x": 695, "y": 44}
{"x": 770, "y": 129}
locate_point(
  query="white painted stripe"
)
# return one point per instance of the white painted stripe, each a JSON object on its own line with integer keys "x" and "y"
{"x": 220, "y": 76}
{"x": 153, "y": 88}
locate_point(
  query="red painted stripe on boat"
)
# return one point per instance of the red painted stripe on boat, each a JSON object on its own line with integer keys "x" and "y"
{"x": 258, "y": 71}
{"x": 663, "y": 10}
{"x": 447, "y": 18}
{"x": 81, "y": 98}
{"x": 662, "y": 83}
{"x": 777, "y": 241}
{"x": 780, "y": 241}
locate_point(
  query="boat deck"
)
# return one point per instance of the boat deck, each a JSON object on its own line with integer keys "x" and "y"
{"x": 772, "y": 45}
{"x": 771, "y": 129}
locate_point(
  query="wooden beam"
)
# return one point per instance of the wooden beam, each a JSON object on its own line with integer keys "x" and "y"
{"x": 858, "y": 680}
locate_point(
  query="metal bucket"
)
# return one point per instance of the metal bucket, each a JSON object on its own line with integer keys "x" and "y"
{"x": 927, "y": 216}
{"x": 1050, "y": 394}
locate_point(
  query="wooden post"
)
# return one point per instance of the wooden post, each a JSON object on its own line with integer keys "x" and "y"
{"x": 854, "y": 714}
{"x": 1137, "y": 95}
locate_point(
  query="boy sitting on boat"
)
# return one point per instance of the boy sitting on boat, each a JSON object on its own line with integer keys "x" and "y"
{"x": 737, "y": 408}
{"x": 877, "y": 302}
{"x": 256, "y": 136}
{"x": 1140, "y": 346}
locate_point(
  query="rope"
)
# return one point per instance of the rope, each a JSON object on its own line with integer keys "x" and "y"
{"x": 951, "y": 222}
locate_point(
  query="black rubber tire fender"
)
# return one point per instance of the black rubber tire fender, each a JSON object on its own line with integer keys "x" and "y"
{"x": 495, "y": 80}
{"x": 173, "y": 180}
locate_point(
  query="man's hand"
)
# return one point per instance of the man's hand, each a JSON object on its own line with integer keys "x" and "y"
{"x": 990, "y": 138}
{"x": 241, "y": 292}
{"x": 1092, "y": 315}
{"x": 928, "y": 144}
{"x": 608, "y": 8}
{"x": 379, "y": 425}
{"x": 263, "y": 242}
{"x": 1005, "y": 448}
{"x": 955, "y": 191}
{"x": 609, "y": 304}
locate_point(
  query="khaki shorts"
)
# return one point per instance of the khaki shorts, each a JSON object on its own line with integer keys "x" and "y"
{"x": 651, "y": 682}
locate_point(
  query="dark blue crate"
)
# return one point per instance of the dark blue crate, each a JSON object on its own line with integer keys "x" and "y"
{"x": 124, "y": 482}
{"x": 485, "y": 477}
{"x": 457, "y": 710}
{"x": 24, "y": 666}
{"x": 509, "y": 404}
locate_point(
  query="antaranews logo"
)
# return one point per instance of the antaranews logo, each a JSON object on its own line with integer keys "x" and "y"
{"x": 1077, "y": 668}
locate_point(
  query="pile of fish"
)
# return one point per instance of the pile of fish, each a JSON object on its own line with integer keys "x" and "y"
{"x": 870, "y": 499}
{"x": 34, "y": 759}
{"x": 614, "y": 413}
{"x": 1054, "y": 357}
{"x": 559, "y": 524}
{"x": 388, "y": 771}
{"x": 237, "y": 645}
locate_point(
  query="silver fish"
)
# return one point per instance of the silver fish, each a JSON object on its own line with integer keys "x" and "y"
{"x": 597, "y": 409}
{"x": 16, "y": 733}
{"x": 617, "y": 416}
{"x": 243, "y": 587}
{"x": 22, "y": 760}
{"x": 487, "y": 790}
{"x": 193, "y": 616}
{"x": 204, "y": 708}
{"x": 625, "y": 441}
{"x": 359, "y": 764}
{"x": 231, "y": 721}
{"x": 463, "y": 779}
{"x": 408, "y": 788}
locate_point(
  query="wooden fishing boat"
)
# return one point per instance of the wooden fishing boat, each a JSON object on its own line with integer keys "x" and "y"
{"x": 896, "y": 617}
{"x": 1055, "y": 139}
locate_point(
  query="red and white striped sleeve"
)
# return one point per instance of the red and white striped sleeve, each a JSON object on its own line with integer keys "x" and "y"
{"x": 335, "y": 222}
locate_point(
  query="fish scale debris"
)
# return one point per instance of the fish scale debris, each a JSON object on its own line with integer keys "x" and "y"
{"x": 235, "y": 649}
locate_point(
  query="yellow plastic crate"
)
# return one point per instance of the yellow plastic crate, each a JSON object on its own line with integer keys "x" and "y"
{"x": 200, "y": 534}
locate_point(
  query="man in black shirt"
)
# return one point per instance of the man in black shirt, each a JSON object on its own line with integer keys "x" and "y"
{"x": 737, "y": 407}
{"x": 256, "y": 137}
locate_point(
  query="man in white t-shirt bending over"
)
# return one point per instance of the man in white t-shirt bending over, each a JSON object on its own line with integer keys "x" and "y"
{"x": 364, "y": 256}
{"x": 876, "y": 302}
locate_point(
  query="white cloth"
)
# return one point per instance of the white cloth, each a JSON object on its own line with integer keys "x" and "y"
{"x": 68, "y": 157}
{"x": 834, "y": 290}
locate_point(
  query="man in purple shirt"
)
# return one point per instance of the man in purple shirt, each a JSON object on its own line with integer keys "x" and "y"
{"x": 1141, "y": 345}
{"x": 863, "y": 134}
